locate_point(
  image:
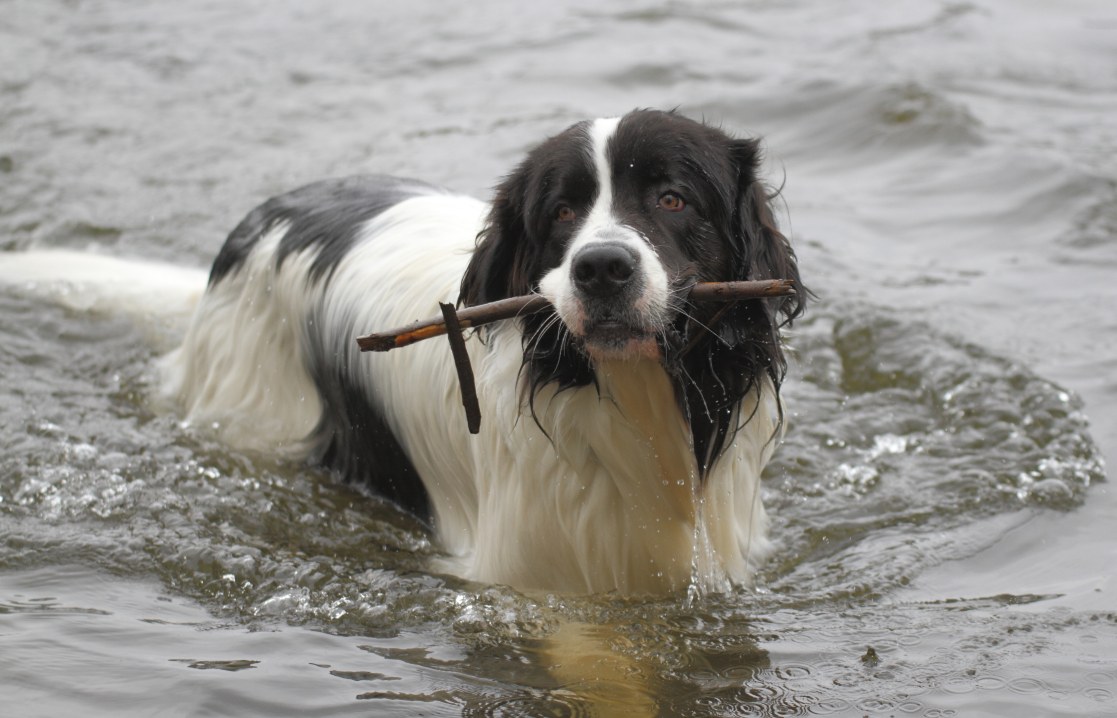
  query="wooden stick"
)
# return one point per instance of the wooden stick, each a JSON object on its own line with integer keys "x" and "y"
{"x": 464, "y": 368}
{"x": 529, "y": 304}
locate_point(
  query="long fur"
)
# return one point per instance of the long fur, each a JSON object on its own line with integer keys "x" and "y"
{"x": 623, "y": 433}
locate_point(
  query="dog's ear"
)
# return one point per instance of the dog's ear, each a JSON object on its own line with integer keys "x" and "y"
{"x": 499, "y": 267}
{"x": 748, "y": 333}
{"x": 761, "y": 250}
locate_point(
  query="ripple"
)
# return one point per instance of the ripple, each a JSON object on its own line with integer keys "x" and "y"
{"x": 1099, "y": 695}
{"x": 960, "y": 686}
{"x": 830, "y": 706}
{"x": 1027, "y": 686}
{"x": 47, "y": 606}
{"x": 1099, "y": 677}
{"x": 793, "y": 671}
{"x": 875, "y": 705}
{"x": 555, "y": 705}
{"x": 363, "y": 676}
{"x": 221, "y": 665}
{"x": 924, "y": 434}
{"x": 990, "y": 683}
{"x": 787, "y": 706}
{"x": 761, "y": 693}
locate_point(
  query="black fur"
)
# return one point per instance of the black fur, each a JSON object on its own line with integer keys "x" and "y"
{"x": 715, "y": 356}
{"x": 353, "y": 439}
{"x": 326, "y": 215}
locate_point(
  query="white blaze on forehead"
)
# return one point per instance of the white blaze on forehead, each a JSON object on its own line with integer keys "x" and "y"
{"x": 601, "y": 131}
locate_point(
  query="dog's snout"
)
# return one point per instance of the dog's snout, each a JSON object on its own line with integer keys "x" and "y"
{"x": 604, "y": 268}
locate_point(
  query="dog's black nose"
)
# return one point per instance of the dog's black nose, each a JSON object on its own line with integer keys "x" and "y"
{"x": 603, "y": 268}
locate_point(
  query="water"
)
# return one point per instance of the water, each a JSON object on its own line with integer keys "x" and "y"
{"x": 941, "y": 510}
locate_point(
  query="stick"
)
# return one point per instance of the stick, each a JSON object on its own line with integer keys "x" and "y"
{"x": 465, "y": 369}
{"x": 529, "y": 304}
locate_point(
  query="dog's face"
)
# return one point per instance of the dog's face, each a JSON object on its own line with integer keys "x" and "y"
{"x": 612, "y": 221}
{"x": 634, "y": 235}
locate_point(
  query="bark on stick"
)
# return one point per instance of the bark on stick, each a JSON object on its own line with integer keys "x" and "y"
{"x": 481, "y": 314}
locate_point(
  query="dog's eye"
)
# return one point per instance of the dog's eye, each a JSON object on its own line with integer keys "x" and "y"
{"x": 565, "y": 214}
{"x": 672, "y": 202}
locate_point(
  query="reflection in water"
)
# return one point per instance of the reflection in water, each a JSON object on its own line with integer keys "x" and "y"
{"x": 588, "y": 662}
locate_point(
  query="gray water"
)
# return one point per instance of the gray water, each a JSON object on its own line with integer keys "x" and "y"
{"x": 945, "y": 531}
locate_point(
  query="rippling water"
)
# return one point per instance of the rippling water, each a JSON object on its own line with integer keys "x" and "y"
{"x": 940, "y": 506}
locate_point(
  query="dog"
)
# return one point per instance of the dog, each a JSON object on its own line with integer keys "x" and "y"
{"x": 625, "y": 429}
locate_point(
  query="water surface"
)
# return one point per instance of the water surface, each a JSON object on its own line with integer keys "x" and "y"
{"x": 941, "y": 510}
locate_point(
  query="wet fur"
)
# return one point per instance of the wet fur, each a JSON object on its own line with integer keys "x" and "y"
{"x": 594, "y": 471}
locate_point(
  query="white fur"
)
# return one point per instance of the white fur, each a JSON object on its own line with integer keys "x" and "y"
{"x": 613, "y": 502}
{"x": 239, "y": 369}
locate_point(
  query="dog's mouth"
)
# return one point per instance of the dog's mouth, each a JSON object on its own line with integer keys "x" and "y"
{"x": 612, "y": 338}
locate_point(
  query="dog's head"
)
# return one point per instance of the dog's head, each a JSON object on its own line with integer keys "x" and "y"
{"x": 612, "y": 221}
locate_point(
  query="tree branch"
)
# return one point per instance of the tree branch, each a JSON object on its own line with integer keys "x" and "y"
{"x": 481, "y": 314}
{"x": 464, "y": 368}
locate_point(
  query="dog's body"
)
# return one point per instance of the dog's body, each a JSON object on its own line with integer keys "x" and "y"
{"x": 624, "y": 433}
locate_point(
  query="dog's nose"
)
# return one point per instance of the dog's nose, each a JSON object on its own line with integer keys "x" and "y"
{"x": 603, "y": 268}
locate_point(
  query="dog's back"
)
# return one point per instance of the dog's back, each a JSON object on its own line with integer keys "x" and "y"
{"x": 270, "y": 358}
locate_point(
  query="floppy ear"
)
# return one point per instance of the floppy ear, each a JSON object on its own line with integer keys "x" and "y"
{"x": 499, "y": 267}
{"x": 748, "y": 337}
{"x": 762, "y": 252}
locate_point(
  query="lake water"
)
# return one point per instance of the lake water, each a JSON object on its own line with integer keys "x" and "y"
{"x": 945, "y": 531}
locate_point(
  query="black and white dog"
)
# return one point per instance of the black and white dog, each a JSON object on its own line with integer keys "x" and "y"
{"x": 625, "y": 431}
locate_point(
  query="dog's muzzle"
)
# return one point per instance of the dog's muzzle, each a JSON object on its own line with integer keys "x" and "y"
{"x": 609, "y": 283}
